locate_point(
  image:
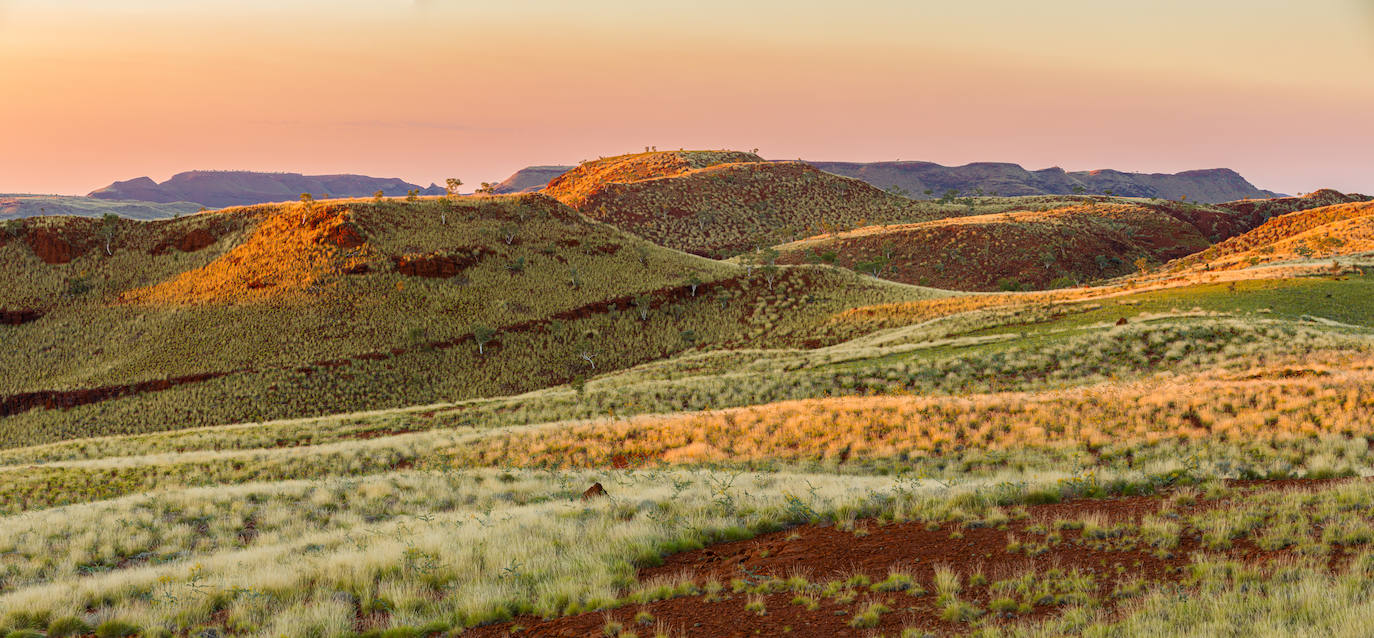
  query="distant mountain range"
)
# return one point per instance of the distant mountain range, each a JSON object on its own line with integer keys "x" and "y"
{"x": 913, "y": 179}
{"x": 185, "y": 192}
{"x": 218, "y": 189}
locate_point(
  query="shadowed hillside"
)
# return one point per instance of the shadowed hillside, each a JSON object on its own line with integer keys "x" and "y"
{"x": 1009, "y": 251}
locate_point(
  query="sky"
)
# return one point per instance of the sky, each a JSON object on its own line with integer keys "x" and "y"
{"x": 93, "y": 91}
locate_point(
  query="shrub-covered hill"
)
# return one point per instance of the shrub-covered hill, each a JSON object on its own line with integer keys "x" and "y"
{"x": 723, "y": 204}
{"x": 286, "y": 310}
{"x": 1254, "y": 212}
{"x": 1317, "y": 233}
{"x": 1013, "y": 250}
{"x": 576, "y": 185}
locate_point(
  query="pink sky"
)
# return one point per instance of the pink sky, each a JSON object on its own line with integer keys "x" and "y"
{"x": 98, "y": 90}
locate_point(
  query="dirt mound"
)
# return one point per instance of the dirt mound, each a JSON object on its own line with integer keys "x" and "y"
{"x": 1008, "y": 251}
{"x": 573, "y": 187}
{"x": 727, "y": 209}
{"x": 292, "y": 248}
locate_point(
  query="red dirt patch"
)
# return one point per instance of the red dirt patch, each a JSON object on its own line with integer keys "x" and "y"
{"x": 54, "y": 399}
{"x": 50, "y": 247}
{"x": 440, "y": 265}
{"x": 825, "y": 553}
{"x": 18, "y": 317}
{"x": 194, "y": 240}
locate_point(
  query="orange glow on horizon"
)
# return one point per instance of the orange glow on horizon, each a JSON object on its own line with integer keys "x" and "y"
{"x": 425, "y": 90}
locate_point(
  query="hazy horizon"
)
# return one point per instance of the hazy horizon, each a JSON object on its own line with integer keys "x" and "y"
{"x": 424, "y": 90}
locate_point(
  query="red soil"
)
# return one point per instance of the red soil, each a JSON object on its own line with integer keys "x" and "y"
{"x": 825, "y": 553}
{"x": 17, "y": 317}
{"x": 54, "y": 399}
{"x": 440, "y": 265}
{"x": 51, "y": 247}
{"x": 195, "y": 240}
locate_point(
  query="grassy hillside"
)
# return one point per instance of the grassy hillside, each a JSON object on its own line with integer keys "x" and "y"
{"x": 720, "y": 204}
{"x": 574, "y": 186}
{"x": 349, "y": 305}
{"x": 387, "y": 519}
{"x": 1317, "y": 233}
{"x": 1055, "y": 248}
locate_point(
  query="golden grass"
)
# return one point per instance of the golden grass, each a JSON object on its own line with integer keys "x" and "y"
{"x": 1257, "y": 405}
{"x": 293, "y": 248}
{"x": 574, "y": 187}
{"x": 1324, "y": 232}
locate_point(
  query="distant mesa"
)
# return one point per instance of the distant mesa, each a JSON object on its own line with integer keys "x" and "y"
{"x": 218, "y": 189}
{"x": 995, "y": 178}
{"x": 530, "y": 179}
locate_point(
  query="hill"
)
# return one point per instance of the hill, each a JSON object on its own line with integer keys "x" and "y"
{"x": 20, "y": 206}
{"x": 913, "y": 179}
{"x": 1009, "y": 251}
{"x": 1254, "y": 212}
{"x": 721, "y": 204}
{"x": 999, "y": 178}
{"x": 1321, "y": 233}
{"x": 286, "y": 310}
{"x": 575, "y": 186}
{"x": 217, "y": 189}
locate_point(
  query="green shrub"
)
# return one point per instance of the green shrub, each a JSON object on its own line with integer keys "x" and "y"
{"x": 68, "y": 626}
{"x": 116, "y": 629}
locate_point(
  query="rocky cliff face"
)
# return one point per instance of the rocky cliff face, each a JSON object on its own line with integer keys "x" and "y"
{"x": 218, "y": 189}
